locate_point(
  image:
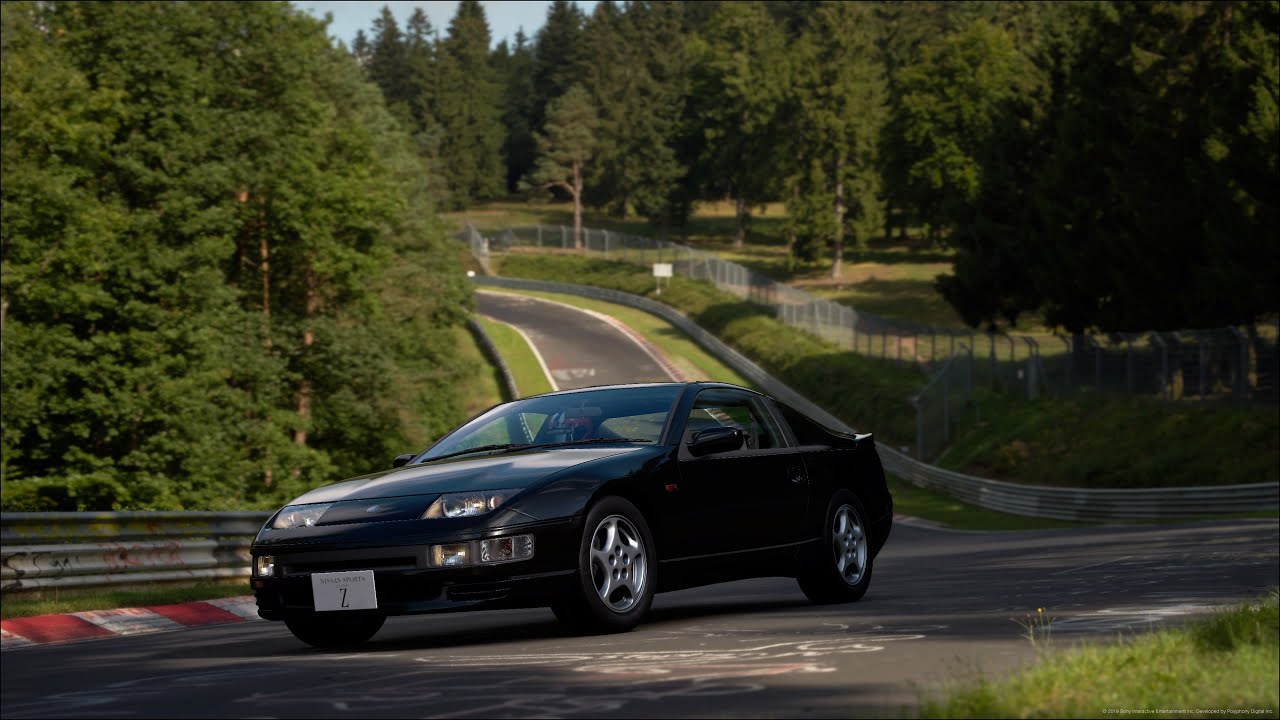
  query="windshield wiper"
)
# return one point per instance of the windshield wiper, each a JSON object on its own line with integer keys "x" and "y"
{"x": 479, "y": 448}
{"x": 589, "y": 442}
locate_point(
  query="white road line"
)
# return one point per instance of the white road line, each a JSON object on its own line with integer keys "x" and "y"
{"x": 537, "y": 355}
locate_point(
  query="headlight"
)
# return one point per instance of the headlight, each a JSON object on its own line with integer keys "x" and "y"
{"x": 299, "y": 516}
{"x": 466, "y": 504}
{"x": 264, "y": 566}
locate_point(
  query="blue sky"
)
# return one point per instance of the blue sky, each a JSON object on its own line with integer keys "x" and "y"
{"x": 504, "y": 17}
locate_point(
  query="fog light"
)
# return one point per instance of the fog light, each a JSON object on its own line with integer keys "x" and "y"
{"x": 264, "y": 566}
{"x": 450, "y": 555}
{"x": 519, "y": 547}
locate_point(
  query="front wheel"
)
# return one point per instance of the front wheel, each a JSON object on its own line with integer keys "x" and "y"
{"x": 334, "y": 631}
{"x": 840, "y": 569}
{"x": 616, "y": 563}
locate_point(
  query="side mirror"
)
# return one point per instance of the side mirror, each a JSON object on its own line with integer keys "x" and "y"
{"x": 402, "y": 460}
{"x": 715, "y": 440}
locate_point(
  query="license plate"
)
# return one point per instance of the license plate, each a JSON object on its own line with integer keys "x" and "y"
{"x": 344, "y": 591}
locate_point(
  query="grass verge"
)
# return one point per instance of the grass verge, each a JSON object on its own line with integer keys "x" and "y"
{"x": 1225, "y": 665}
{"x": 481, "y": 389}
{"x": 1073, "y": 441}
{"x": 45, "y": 602}
{"x": 525, "y": 368}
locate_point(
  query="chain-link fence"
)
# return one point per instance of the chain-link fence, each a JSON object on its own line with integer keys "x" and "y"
{"x": 1224, "y": 363}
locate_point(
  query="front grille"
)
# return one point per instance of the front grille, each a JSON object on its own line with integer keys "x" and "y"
{"x": 384, "y": 563}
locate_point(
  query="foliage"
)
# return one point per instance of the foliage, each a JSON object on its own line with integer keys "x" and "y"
{"x": 1227, "y": 663}
{"x": 207, "y": 214}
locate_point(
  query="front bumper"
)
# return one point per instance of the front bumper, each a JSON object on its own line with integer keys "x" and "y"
{"x": 407, "y": 584}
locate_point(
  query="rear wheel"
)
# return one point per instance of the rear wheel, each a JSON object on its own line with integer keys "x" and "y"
{"x": 615, "y": 581}
{"x": 327, "y": 630}
{"x": 840, "y": 569}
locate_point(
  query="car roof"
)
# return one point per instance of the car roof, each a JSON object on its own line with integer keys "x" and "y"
{"x": 618, "y": 386}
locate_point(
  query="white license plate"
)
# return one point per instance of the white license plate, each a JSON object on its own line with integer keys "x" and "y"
{"x": 344, "y": 591}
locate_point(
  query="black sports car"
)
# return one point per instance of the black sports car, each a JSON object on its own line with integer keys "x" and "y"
{"x": 588, "y": 501}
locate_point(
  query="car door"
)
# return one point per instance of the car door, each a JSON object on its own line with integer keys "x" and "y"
{"x": 753, "y": 497}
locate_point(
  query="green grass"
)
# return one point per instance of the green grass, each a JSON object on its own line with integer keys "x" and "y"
{"x": 1228, "y": 662}
{"x": 45, "y": 602}
{"x": 525, "y": 368}
{"x": 679, "y": 348}
{"x": 1074, "y": 442}
{"x": 863, "y": 392}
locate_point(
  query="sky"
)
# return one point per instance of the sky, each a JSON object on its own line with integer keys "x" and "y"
{"x": 504, "y": 17}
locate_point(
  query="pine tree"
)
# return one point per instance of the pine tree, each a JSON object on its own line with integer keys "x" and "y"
{"x": 565, "y": 150}
{"x": 469, "y": 109}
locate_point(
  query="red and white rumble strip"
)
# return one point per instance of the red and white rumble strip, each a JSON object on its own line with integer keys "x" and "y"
{"x": 49, "y": 629}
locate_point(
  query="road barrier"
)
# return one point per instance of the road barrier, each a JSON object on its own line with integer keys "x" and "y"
{"x": 1040, "y": 501}
{"x": 75, "y": 549}
{"x": 491, "y": 353}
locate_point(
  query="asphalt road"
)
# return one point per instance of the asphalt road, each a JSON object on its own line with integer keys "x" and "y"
{"x": 942, "y": 605}
{"x": 578, "y": 348}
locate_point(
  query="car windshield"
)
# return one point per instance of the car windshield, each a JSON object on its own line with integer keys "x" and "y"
{"x": 590, "y": 416}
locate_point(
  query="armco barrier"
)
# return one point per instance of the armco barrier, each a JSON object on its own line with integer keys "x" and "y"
{"x": 66, "y": 549}
{"x": 491, "y": 353}
{"x": 1014, "y": 498}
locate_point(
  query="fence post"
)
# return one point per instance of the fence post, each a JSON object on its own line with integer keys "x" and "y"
{"x": 606, "y": 243}
{"x": 917, "y": 403}
{"x": 1242, "y": 372}
{"x": 539, "y": 235}
{"x": 1204, "y": 368}
{"x": 1066, "y": 388}
{"x": 1164, "y": 366}
{"x": 946, "y": 401}
{"x": 1128, "y": 364}
{"x": 564, "y": 238}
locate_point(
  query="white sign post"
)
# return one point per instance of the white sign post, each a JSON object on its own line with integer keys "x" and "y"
{"x": 661, "y": 270}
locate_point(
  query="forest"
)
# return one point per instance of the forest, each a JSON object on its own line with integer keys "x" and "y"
{"x": 1111, "y": 165}
{"x": 225, "y": 278}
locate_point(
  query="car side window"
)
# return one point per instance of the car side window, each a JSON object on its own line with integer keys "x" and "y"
{"x": 725, "y": 408}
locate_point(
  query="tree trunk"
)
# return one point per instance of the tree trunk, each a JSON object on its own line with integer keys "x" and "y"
{"x": 308, "y": 338}
{"x": 265, "y": 269}
{"x": 839, "y": 210}
{"x": 791, "y": 226}
{"x": 743, "y": 215}
{"x": 577, "y": 206}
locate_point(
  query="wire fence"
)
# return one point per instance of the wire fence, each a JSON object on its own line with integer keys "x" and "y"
{"x": 1240, "y": 364}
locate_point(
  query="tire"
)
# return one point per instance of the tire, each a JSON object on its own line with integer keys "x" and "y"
{"x": 328, "y": 630}
{"x": 839, "y": 569}
{"x": 614, "y": 586}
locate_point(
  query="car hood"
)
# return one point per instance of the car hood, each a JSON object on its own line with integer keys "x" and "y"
{"x": 488, "y": 472}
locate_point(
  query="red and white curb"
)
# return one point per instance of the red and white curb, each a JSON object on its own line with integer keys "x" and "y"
{"x": 94, "y": 624}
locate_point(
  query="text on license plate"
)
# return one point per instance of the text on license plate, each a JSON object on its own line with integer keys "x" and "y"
{"x": 344, "y": 591}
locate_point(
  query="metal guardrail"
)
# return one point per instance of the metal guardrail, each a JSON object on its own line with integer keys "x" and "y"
{"x": 1013, "y": 498}
{"x": 72, "y": 549}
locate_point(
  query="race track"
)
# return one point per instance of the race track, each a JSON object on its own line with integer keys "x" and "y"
{"x": 942, "y": 604}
